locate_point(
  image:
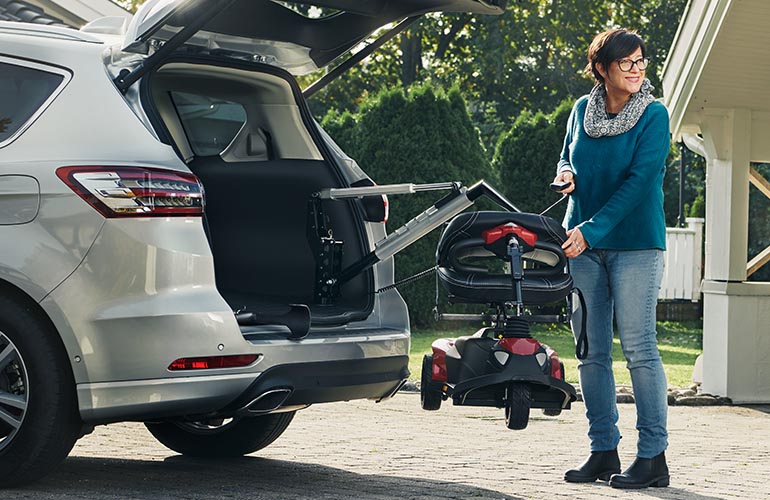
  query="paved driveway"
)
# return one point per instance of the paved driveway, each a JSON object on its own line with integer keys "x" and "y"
{"x": 394, "y": 450}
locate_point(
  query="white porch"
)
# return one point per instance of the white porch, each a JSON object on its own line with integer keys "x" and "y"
{"x": 716, "y": 84}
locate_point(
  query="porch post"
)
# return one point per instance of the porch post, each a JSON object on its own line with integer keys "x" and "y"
{"x": 736, "y": 313}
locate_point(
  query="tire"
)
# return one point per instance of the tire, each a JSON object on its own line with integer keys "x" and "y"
{"x": 517, "y": 404}
{"x": 39, "y": 419}
{"x": 221, "y": 438}
{"x": 551, "y": 412}
{"x": 430, "y": 399}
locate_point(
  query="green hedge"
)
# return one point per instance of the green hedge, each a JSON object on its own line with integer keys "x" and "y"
{"x": 526, "y": 158}
{"x": 420, "y": 135}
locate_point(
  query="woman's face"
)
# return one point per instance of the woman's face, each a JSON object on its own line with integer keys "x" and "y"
{"x": 623, "y": 82}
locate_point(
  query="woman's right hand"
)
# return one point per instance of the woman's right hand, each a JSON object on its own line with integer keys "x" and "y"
{"x": 566, "y": 176}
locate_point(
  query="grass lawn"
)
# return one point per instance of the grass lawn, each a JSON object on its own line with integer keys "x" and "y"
{"x": 679, "y": 344}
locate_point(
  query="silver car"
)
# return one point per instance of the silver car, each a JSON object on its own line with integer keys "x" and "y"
{"x": 166, "y": 255}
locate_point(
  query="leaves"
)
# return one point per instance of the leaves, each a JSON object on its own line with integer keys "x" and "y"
{"x": 419, "y": 135}
{"x": 130, "y": 5}
{"x": 526, "y": 158}
{"x": 531, "y": 57}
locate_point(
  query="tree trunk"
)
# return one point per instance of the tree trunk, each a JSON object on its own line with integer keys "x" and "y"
{"x": 411, "y": 63}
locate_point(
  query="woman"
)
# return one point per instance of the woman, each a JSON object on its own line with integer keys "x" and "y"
{"x": 614, "y": 155}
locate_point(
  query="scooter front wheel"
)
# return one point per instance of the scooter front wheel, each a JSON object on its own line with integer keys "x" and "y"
{"x": 517, "y": 404}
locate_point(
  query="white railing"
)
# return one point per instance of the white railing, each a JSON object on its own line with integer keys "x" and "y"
{"x": 684, "y": 272}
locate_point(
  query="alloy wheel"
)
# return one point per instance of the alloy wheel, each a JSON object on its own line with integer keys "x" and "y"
{"x": 14, "y": 391}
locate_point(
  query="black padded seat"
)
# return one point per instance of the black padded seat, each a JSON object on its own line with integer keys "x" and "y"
{"x": 545, "y": 280}
{"x": 480, "y": 288}
{"x": 471, "y": 225}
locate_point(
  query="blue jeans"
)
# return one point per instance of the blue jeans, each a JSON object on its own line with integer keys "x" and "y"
{"x": 626, "y": 283}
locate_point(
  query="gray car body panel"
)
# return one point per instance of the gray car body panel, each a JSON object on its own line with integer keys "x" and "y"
{"x": 19, "y": 199}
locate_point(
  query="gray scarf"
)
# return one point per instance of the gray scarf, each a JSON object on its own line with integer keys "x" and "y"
{"x": 598, "y": 124}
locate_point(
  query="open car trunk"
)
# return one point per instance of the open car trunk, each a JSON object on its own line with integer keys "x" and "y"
{"x": 245, "y": 131}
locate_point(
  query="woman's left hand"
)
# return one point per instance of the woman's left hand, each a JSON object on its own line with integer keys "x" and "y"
{"x": 575, "y": 244}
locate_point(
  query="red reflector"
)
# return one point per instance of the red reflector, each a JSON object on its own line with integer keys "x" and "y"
{"x": 136, "y": 191}
{"x": 386, "y": 206}
{"x": 494, "y": 234}
{"x": 438, "y": 370}
{"x": 213, "y": 362}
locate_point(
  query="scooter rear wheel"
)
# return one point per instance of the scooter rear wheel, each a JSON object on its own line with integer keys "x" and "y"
{"x": 430, "y": 399}
{"x": 517, "y": 404}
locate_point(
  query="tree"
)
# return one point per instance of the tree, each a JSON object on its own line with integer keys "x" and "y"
{"x": 531, "y": 57}
{"x": 130, "y": 5}
{"x": 419, "y": 135}
{"x": 526, "y": 158}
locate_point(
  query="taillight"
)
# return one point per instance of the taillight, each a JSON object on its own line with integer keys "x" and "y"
{"x": 212, "y": 362}
{"x": 136, "y": 191}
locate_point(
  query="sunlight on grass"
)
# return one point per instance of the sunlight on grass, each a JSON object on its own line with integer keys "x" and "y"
{"x": 679, "y": 344}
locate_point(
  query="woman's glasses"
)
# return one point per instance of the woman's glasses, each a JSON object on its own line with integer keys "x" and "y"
{"x": 625, "y": 65}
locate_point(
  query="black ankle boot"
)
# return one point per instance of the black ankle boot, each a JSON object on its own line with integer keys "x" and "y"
{"x": 643, "y": 472}
{"x": 600, "y": 465}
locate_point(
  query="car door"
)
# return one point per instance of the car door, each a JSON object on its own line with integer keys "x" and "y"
{"x": 272, "y": 31}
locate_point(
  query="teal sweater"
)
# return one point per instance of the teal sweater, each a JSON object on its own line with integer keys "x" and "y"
{"x": 618, "y": 198}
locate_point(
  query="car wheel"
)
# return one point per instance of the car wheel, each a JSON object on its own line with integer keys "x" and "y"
{"x": 221, "y": 438}
{"x": 430, "y": 399}
{"x": 551, "y": 412}
{"x": 39, "y": 420}
{"x": 517, "y": 403}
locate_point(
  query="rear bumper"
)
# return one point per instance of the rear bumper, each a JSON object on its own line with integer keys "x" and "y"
{"x": 145, "y": 296}
{"x": 308, "y": 383}
{"x": 329, "y": 381}
{"x": 106, "y": 402}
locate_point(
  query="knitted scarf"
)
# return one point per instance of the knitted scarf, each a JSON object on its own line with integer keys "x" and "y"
{"x": 598, "y": 124}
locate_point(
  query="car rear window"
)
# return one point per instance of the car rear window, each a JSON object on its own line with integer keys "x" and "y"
{"x": 209, "y": 122}
{"x": 23, "y": 92}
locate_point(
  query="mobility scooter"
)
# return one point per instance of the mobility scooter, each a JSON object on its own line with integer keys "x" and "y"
{"x": 501, "y": 365}
{"x": 512, "y": 262}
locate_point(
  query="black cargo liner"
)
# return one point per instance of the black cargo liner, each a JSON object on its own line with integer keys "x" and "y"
{"x": 256, "y": 219}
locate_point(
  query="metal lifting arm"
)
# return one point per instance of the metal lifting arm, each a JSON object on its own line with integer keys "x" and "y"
{"x": 447, "y": 207}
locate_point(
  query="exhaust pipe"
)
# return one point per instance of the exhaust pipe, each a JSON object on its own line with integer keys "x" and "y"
{"x": 267, "y": 402}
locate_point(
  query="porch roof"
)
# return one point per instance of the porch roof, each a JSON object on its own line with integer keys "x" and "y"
{"x": 719, "y": 60}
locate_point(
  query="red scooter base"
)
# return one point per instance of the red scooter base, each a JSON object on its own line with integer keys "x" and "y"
{"x": 491, "y": 369}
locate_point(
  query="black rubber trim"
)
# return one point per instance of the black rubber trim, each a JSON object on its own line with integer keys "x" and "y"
{"x": 329, "y": 381}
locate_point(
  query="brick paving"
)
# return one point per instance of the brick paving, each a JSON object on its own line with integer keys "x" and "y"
{"x": 394, "y": 450}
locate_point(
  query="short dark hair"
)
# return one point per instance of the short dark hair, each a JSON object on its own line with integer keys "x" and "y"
{"x": 610, "y": 46}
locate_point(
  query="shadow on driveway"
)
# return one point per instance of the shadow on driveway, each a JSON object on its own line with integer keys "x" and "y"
{"x": 254, "y": 478}
{"x": 762, "y": 408}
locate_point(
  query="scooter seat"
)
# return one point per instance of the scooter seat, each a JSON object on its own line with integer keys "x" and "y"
{"x": 481, "y": 288}
{"x": 471, "y": 271}
{"x": 472, "y": 224}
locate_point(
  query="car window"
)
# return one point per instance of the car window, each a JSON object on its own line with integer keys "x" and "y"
{"x": 23, "y": 91}
{"x": 210, "y": 123}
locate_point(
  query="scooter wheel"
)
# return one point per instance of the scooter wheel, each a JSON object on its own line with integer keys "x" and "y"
{"x": 517, "y": 404}
{"x": 430, "y": 399}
